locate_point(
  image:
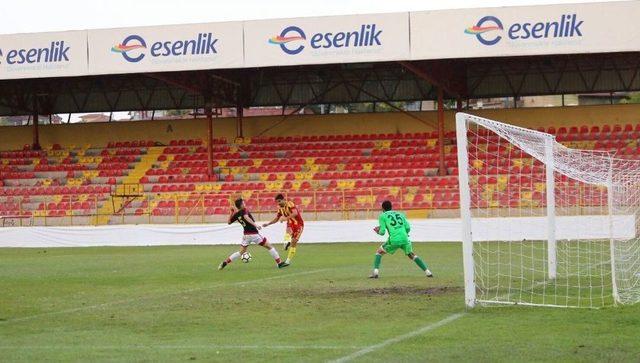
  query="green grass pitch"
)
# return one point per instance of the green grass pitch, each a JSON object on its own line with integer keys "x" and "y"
{"x": 171, "y": 304}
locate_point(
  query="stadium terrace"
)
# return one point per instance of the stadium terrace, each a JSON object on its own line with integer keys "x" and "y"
{"x": 353, "y": 185}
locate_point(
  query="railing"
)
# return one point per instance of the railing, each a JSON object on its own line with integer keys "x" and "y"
{"x": 195, "y": 207}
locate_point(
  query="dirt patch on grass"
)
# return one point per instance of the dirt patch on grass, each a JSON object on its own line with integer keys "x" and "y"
{"x": 404, "y": 290}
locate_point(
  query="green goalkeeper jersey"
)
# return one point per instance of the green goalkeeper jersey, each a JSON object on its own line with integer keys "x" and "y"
{"x": 397, "y": 225}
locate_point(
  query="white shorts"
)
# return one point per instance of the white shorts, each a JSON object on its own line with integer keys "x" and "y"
{"x": 248, "y": 239}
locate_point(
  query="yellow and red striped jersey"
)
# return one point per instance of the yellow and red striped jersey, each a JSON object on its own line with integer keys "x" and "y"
{"x": 288, "y": 210}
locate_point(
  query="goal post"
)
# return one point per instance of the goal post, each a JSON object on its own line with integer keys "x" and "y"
{"x": 551, "y": 207}
{"x": 465, "y": 211}
{"x": 543, "y": 223}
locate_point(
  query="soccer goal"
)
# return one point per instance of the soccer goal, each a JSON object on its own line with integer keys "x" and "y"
{"x": 545, "y": 223}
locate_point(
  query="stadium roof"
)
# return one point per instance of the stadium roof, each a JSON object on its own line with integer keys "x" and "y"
{"x": 474, "y": 53}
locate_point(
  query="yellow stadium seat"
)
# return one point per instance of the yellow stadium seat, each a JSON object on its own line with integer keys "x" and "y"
{"x": 306, "y": 201}
{"x": 408, "y": 198}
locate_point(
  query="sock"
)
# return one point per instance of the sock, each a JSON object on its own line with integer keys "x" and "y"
{"x": 292, "y": 252}
{"x": 287, "y": 238}
{"x": 234, "y": 256}
{"x": 377, "y": 261}
{"x": 420, "y": 263}
{"x": 275, "y": 255}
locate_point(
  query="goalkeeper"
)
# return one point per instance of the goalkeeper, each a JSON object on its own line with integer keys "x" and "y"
{"x": 398, "y": 226}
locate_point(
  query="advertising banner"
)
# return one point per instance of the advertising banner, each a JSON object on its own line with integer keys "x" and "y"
{"x": 41, "y": 55}
{"x": 336, "y": 39}
{"x": 531, "y": 30}
{"x": 166, "y": 48}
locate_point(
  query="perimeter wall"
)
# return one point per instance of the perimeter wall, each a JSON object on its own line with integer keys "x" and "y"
{"x": 99, "y": 134}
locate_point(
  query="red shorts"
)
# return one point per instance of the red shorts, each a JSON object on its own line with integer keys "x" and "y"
{"x": 296, "y": 230}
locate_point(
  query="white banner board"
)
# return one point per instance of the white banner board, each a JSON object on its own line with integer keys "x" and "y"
{"x": 531, "y": 30}
{"x": 166, "y": 48}
{"x": 40, "y": 55}
{"x": 336, "y": 39}
{"x": 422, "y": 230}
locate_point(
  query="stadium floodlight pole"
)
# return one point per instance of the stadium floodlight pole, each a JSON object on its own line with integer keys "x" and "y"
{"x": 552, "y": 264}
{"x": 465, "y": 210}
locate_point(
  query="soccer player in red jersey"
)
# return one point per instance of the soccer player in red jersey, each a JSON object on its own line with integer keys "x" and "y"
{"x": 287, "y": 211}
{"x": 251, "y": 235}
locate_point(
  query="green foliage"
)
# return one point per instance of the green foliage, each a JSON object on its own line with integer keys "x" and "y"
{"x": 632, "y": 98}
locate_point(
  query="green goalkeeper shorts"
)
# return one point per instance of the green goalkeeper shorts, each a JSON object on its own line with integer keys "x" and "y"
{"x": 392, "y": 248}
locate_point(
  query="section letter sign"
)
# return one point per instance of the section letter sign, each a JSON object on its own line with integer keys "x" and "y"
{"x": 165, "y": 48}
{"x": 530, "y": 30}
{"x": 335, "y": 39}
{"x": 39, "y": 55}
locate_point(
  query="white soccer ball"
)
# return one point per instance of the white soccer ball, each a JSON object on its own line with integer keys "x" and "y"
{"x": 246, "y": 257}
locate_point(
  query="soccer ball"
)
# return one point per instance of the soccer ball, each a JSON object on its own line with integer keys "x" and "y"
{"x": 246, "y": 257}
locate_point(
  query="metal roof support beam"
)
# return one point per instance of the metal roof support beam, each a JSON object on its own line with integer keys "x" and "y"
{"x": 36, "y": 134}
{"x": 442, "y": 168}
{"x": 439, "y": 74}
{"x": 171, "y": 81}
{"x": 378, "y": 99}
{"x": 311, "y": 101}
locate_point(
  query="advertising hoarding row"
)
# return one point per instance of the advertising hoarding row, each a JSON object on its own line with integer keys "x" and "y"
{"x": 466, "y": 33}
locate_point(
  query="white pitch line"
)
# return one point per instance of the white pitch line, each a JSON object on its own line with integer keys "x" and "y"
{"x": 399, "y": 338}
{"x": 140, "y": 298}
{"x": 180, "y": 347}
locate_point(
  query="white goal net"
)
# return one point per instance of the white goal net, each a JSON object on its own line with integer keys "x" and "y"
{"x": 545, "y": 223}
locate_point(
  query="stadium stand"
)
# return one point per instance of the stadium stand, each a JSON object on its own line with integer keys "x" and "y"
{"x": 330, "y": 173}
